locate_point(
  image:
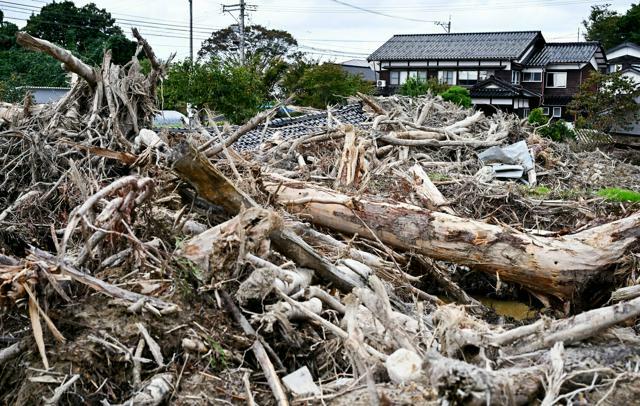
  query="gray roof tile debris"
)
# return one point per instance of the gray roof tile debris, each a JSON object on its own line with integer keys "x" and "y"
{"x": 563, "y": 52}
{"x": 481, "y": 45}
{"x": 296, "y": 127}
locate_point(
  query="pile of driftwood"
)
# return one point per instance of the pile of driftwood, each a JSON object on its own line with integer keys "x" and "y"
{"x": 142, "y": 267}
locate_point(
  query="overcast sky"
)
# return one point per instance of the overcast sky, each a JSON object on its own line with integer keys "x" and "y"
{"x": 332, "y": 30}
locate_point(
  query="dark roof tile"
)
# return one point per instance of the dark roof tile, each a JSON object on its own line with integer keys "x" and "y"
{"x": 563, "y": 52}
{"x": 480, "y": 45}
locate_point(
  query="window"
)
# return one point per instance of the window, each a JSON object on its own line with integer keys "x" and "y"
{"x": 525, "y": 113}
{"x": 403, "y": 77}
{"x": 545, "y": 111}
{"x": 447, "y": 76}
{"x": 422, "y": 75}
{"x": 515, "y": 77}
{"x": 468, "y": 77}
{"x": 556, "y": 79}
{"x": 484, "y": 74}
{"x": 557, "y": 112}
{"x": 413, "y": 74}
{"x": 394, "y": 79}
{"x": 532, "y": 76}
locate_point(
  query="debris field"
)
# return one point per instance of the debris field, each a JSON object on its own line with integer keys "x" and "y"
{"x": 368, "y": 254}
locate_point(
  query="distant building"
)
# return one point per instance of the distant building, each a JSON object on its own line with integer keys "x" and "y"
{"x": 359, "y": 67}
{"x": 513, "y": 71}
{"x": 45, "y": 94}
{"x": 625, "y": 58}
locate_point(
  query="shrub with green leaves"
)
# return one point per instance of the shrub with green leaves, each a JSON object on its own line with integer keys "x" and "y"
{"x": 557, "y": 130}
{"x": 320, "y": 85}
{"x": 417, "y": 87}
{"x": 458, "y": 95}
{"x": 537, "y": 117}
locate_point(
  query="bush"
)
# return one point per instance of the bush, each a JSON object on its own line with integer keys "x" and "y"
{"x": 416, "y": 87}
{"x": 558, "y": 131}
{"x": 537, "y": 117}
{"x": 458, "y": 95}
{"x": 320, "y": 85}
{"x": 235, "y": 91}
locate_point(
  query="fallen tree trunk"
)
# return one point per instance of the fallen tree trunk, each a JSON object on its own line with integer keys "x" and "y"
{"x": 213, "y": 186}
{"x": 557, "y": 266}
{"x": 71, "y": 63}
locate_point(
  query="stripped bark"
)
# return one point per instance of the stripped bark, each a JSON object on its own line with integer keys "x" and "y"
{"x": 557, "y": 266}
{"x": 71, "y": 63}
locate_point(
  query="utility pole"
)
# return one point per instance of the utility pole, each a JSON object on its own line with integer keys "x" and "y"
{"x": 242, "y": 32}
{"x": 191, "y": 30}
{"x": 445, "y": 25}
{"x": 242, "y": 7}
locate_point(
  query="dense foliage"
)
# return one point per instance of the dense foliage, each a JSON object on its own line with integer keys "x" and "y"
{"x": 19, "y": 67}
{"x": 611, "y": 28}
{"x": 318, "y": 85}
{"x": 557, "y": 130}
{"x": 236, "y": 91}
{"x": 86, "y": 31}
{"x": 606, "y": 102}
{"x": 261, "y": 43}
{"x": 537, "y": 117}
{"x": 416, "y": 87}
{"x": 458, "y": 95}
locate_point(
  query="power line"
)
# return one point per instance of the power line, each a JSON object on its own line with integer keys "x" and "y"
{"x": 242, "y": 7}
{"x": 150, "y": 19}
{"x": 366, "y": 10}
{"x": 121, "y": 21}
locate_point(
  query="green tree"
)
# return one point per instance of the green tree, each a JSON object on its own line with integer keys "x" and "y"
{"x": 86, "y": 31}
{"x": 458, "y": 95}
{"x": 7, "y": 34}
{"x": 320, "y": 85}
{"x": 261, "y": 44}
{"x": 606, "y": 101}
{"x": 19, "y": 67}
{"x": 611, "y": 28}
{"x": 235, "y": 91}
{"x": 415, "y": 87}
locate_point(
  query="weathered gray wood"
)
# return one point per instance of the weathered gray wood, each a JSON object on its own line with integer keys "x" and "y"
{"x": 556, "y": 266}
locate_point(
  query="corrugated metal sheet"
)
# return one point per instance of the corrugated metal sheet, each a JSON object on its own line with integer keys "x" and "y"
{"x": 484, "y": 45}
{"x": 568, "y": 52}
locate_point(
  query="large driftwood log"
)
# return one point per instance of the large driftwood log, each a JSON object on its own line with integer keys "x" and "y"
{"x": 214, "y": 187}
{"x": 71, "y": 63}
{"x": 559, "y": 266}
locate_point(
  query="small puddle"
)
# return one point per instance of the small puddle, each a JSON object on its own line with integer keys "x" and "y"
{"x": 509, "y": 308}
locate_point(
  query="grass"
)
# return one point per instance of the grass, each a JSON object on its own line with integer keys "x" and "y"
{"x": 438, "y": 177}
{"x": 539, "y": 191}
{"x": 217, "y": 359}
{"x": 619, "y": 195}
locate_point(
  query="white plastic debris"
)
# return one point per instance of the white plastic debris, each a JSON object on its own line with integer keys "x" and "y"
{"x": 404, "y": 366}
{"x": 300, "y": 383}
{"x": 148, "y": 138}
{"x": 512, "y": 161}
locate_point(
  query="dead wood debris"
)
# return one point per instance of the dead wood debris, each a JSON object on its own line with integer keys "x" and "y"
{"x": 134, "y": 271}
